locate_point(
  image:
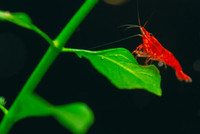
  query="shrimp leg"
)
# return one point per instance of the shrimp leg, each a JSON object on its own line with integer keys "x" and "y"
{"x": 138, "y": 49}
{"x": 147, "y": 60}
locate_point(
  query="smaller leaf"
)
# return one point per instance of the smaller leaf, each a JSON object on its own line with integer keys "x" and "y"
{"x": 23, "y": 20}
{"x": 77, "y": 117}
{"x": 2, "y": 101}
{"x": 2, "y": 104}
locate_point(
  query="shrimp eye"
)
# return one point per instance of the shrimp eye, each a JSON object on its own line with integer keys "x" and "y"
{"x": 151, "y": 34}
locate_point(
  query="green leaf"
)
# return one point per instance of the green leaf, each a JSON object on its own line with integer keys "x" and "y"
{"x": 121, "y": 68}
{"x": 2, "y": 101}
{"x": 2, "y": 104}
{"x": 23, "y": 20}
{"x": 77, "y": 117}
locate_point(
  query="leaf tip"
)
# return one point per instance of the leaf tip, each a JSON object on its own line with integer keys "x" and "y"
{"x": 158, "y": 92}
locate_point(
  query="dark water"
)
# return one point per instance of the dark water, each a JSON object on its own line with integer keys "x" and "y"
{"x": 175, "y": 23}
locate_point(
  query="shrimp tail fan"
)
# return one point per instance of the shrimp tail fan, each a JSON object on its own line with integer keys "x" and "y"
{"x": 182, "y": 76}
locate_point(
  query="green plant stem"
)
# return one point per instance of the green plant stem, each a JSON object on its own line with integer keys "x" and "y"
{"x": 69, "y": 29}
{"x": 45, "y": 36}
{"x": 51, "y": 54}
{"x": 30, "y": 85}
{"x": 77, "y": 50}
{"x": 3, "y": 109}
{"x": 83, "y": 50}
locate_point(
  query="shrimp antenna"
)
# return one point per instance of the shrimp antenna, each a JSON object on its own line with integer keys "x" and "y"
{"x": 110, "y": 43}
{"x": 138, "y": 13}
{"x": 148, "y": 19}
{"x": 128, "y": 26}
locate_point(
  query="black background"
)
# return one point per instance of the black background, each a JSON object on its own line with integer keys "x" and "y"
{"x": 175, "y": 23}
